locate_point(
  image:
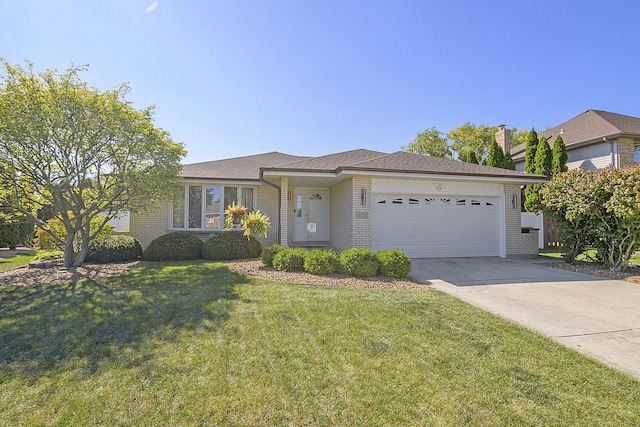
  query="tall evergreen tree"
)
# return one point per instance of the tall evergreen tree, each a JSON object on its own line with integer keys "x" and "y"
{"x": 496, "y": 155}
{"x": 558, "y": 156}
{"x": 530, "y": 152}
{"x": 533, "y": 201}
{"x": 543, "y": 158}
{"x": 508, "y": 162}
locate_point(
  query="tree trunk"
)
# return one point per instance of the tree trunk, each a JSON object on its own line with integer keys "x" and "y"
{"x": 84, "y": 250}
{"x": 69, "y": 252}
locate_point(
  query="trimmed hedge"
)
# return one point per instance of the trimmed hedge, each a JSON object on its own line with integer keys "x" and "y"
{"x": 321, "y": 262}
{"x": 290, "y": 259}
{"x": 115, "y": 248}
{"x": 177, "y": 246}
{"x": 393, "y": 263}
{"x": 13, "y": 234}
{"x": 269, "y": 252}
{"x": 360, "y": 262}
{"x": 228, "y": 245}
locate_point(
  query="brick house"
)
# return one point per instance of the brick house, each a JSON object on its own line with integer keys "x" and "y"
{"x": 426, "y": 206}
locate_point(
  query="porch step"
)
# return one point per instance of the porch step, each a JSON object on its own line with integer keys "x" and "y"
{"x": 311, "y": 245}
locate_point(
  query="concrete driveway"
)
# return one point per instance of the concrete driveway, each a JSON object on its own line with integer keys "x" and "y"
{"x": 597, "y": 317}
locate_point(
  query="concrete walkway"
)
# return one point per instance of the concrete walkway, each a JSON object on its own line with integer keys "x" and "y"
{"x": 597, "y": 317}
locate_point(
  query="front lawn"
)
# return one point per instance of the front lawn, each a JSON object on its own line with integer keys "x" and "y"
{"x": 193, "y": 344}
{"x": 556, "y": 252}
{"x": 21, "y": 259}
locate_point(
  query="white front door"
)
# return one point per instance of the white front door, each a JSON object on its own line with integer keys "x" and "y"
{"x": 311, "y": 217}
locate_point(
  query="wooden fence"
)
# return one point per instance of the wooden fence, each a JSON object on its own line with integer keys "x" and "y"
{"x": 551, "y": 232}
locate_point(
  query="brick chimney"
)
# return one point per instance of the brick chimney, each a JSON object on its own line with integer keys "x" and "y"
{"x": 503, "y": 138}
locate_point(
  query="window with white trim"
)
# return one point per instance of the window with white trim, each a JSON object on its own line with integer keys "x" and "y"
{"x": 201, "y": 207}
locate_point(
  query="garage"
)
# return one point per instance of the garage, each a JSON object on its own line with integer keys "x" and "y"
{"x": 425, "y": 226}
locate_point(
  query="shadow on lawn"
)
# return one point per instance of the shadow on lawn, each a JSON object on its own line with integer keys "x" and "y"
{"x": 46, "y": 328}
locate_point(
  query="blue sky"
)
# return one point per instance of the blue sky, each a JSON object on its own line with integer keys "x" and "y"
{"x": 234, "y": 77}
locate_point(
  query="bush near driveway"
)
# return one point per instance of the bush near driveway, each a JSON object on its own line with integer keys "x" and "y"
{"x": 600, "y": 209}
{"x": 360, "y": 262}
{"x": 393, "y": 263}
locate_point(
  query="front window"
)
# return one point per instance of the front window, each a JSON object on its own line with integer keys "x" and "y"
{"x": 636, "y": 154}
{"x": 200, "y": 207}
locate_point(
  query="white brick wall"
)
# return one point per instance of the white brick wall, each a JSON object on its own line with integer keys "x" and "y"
{"x": 149, "y": 225}
{"x": 361, "y": 215}
{"x": 518, "y": 244}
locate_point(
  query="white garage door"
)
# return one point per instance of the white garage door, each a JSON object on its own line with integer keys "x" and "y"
{"x": 436, "y": 226}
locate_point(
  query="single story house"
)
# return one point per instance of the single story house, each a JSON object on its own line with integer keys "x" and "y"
{"x": 425, "y": 206}
{"x": 595, "y": 140}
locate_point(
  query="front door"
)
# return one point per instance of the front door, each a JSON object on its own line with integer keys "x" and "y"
{"x": 311, "y": 223}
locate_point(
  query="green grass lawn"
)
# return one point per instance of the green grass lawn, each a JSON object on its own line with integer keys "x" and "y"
{"x": 193, "y": 344}
{"x": 20, "y": 260}
{"x": 556, "y": 252}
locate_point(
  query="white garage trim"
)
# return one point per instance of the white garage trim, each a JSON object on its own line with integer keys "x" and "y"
{"x": 438, "y": 225}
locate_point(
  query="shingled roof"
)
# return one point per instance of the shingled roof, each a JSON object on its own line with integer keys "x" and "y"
{"x": 248, "y": 168}
{"x": 588, "y": 127}
{"x": 237, "y": 168}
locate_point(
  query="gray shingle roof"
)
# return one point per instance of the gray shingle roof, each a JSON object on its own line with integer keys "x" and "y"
{"x": 331, "y": 162}
{"x": 238, "y": 168}
{"x": 592, "y": 125}
{"x": 401, "y": 161}
{"x": 248, "y": 167}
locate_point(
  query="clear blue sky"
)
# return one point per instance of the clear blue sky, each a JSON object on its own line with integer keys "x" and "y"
{"x": 234, "y": 77}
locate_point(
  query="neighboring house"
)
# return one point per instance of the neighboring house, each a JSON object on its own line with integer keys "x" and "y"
{"x": 595, "y": 140}
{"x": 426, "y": 206}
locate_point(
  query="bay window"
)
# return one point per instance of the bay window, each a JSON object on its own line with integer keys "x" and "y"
{"x": 201, "y": 207}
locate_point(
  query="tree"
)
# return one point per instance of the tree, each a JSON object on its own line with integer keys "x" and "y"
{"x": 599, "y": 209}
{"x": 87, "y": 153}
{"x": 470, "y": 137}
{"x": 468, "y": 156}
{"x": 430, "y": 142}
{"x": 530, "y": 152}
{"x": 543, "y": 158}
{"x": 508, "y": 162}
{"x": 558, "y": 156}
{"x": 496, "y": 155}
{"x": 468, "y": 143}
{"x": 533, "y": 201}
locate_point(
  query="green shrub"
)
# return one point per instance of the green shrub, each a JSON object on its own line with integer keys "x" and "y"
{"x": 230, "y": 245}
{"x": 393, "y": 263}
{"x": 177, "y": 246}
{"x": 48, "y": 254}
{"x": 269, "y": 252}
{"x": 290, "y": 259}
{"x": 358, "y": 262}
{"x": 321, "y": 262}
{"x": 116, "y": 248}
{"x": 13, "y": 234}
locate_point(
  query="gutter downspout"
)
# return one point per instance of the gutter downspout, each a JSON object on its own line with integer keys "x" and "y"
{"x": 279, "y": 202}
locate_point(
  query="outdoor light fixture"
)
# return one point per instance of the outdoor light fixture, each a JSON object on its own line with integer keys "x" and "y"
{"x": 363, "y": 197}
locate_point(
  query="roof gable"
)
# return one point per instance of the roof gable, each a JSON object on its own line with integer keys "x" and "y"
{"x": 590, "y": 126}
